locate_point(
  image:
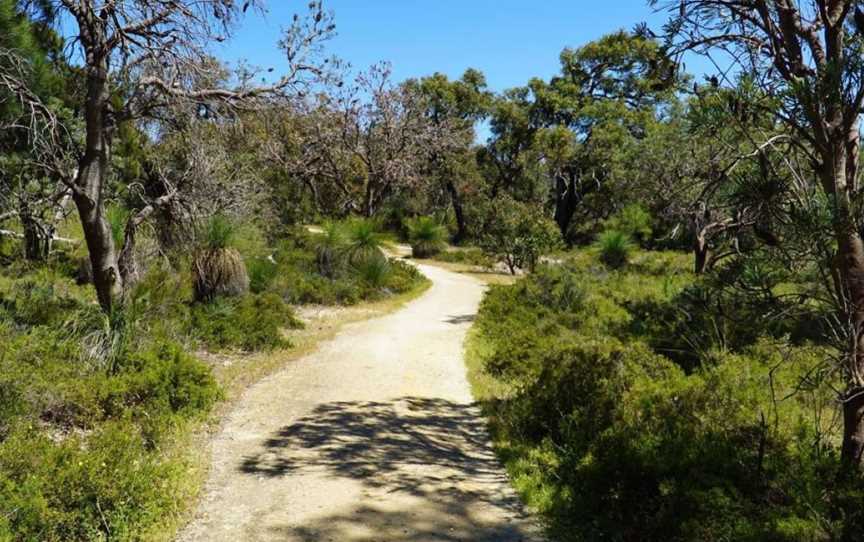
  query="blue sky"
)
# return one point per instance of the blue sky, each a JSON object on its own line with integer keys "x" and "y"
{"x": 508, "y": 40}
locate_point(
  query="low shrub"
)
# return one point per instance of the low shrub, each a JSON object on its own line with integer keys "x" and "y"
{"x": 252, "y": 322}
{"x": 611, "y": 439}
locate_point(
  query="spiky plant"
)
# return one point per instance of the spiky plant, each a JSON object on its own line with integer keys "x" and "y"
{"x": 427, "y": 236}
{"x": 364, "y": 241}
{"x": 330, "y": 248}
{"x": 374, "y": 271}
{"x": 615, "y": 247}
{"x": 217, "y": 267}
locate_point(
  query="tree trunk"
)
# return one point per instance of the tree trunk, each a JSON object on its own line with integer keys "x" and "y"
{"x": 566, "y": 201}
{"x": 37, "y": 236}
{"x": 456, "y": 200}
{"x": 702, "y": 254}
{"x": 839, "y": 176}
{"x": 89, "y": 183}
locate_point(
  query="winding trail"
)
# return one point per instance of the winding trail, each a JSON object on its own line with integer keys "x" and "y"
{"x": 374, "y": 437}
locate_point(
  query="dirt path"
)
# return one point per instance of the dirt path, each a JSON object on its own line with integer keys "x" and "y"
{"x": 371, "y": 438}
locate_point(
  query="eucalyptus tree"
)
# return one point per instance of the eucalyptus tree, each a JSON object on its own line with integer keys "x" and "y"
{"x": 807, "y": 57}
{"x": 452, "y": 109}
{"x": 571, "y": 130}
{"x": 139, "y": 57}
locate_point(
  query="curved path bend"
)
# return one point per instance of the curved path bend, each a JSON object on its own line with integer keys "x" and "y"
{"x": 374, "y": 437}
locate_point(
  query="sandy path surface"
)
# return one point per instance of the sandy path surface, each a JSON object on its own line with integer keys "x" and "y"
{"x": 372, "y": 438}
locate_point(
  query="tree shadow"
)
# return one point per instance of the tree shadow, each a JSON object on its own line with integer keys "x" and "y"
{"x": 433, "y": 449}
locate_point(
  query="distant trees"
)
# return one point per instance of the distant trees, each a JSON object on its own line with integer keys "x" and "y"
{"x": 560, "y": 139}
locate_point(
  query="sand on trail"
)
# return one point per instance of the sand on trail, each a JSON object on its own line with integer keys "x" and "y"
{"x": 373, "y": 437}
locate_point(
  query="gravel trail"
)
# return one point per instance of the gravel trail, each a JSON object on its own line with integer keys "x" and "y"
{"x": 373, "y": 437}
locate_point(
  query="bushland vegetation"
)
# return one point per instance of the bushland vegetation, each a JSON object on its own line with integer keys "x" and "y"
{"x": 681, "y": 358}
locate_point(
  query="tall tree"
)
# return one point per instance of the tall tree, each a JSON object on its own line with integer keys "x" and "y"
{"x": 453, "y": 108}
{"x": 140, "y": 56}
{"x": 807, "y": 56}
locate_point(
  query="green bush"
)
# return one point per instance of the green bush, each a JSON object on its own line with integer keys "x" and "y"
{"x": 427, "y": 236}
{"x": 610, "y": 439}
{"x": 635, "y": 221}
{"x": 330, "y": 248}
{"x": 374, "y": 271}
{"x": 469, "y": 256}
{"x": 614, "y": 248}
{"x": 251, "y": 322}
{"x": 262, "y": 273}
{"x": 218, "y": 232}
{"x": 518, "y": 234}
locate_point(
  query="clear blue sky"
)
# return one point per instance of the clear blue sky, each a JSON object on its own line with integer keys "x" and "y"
{"x": 508, "y": 40}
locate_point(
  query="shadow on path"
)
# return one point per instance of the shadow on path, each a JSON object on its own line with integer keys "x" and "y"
{"x": 433, "y": 450}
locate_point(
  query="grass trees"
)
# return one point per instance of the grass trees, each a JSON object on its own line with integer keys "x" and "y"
{"x": 427, "y": 236}
{"x": 217, "y": 267}
{"x": 807, "y": 57}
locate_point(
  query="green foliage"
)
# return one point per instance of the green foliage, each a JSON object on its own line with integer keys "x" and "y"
{"x": 374, "y": 271}
{"x": 611, "y": 439}
{"x": 468, "y": 255}
{"x": 330, "y": 248}
{"x": 364, "y": 240}
{"x": 518, "y": 234}
{"x": 427, "y": 236}
{"x": 218, "y": 232}
{"x": 634, "y": 221}
{"x": 251, "y": 322}
{"x": 262, "y": 273}
{"x": 614, "y": 248}
{"x": 299, "y": 278}
{"x": 86, "y": 449}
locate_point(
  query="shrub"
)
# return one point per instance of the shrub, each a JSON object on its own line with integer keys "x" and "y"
{"x": 374, "y": 271}
{"x": 518, "y": 234}
{"x": 634, "y": 221}
{"x": 610, "y": 439}
{"x": 252, "y": 322}
{"x": 262, "y": 273}
{"x": 614, "y": 247}
{"x": 469, "y": 256}
{"x": 427, "y": 236}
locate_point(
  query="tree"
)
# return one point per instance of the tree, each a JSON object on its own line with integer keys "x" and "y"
{"x": 564, "y": 137}
{"x": 452, "y": 108}
{"x": 29, "y": 58}
{"x": 807, "y": 56}
{"x": 518, "y": 234}
{"x": 360, "y": 144}
{"x": 140, "y": 56}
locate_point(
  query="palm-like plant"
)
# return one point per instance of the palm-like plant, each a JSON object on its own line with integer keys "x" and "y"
{"x": 217, "y": 267}
{"x": 364, "y": 241}
{"x": 330, "y": 247}
{"x": 427, "y": 236}
{"x": 615, "y": 247}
